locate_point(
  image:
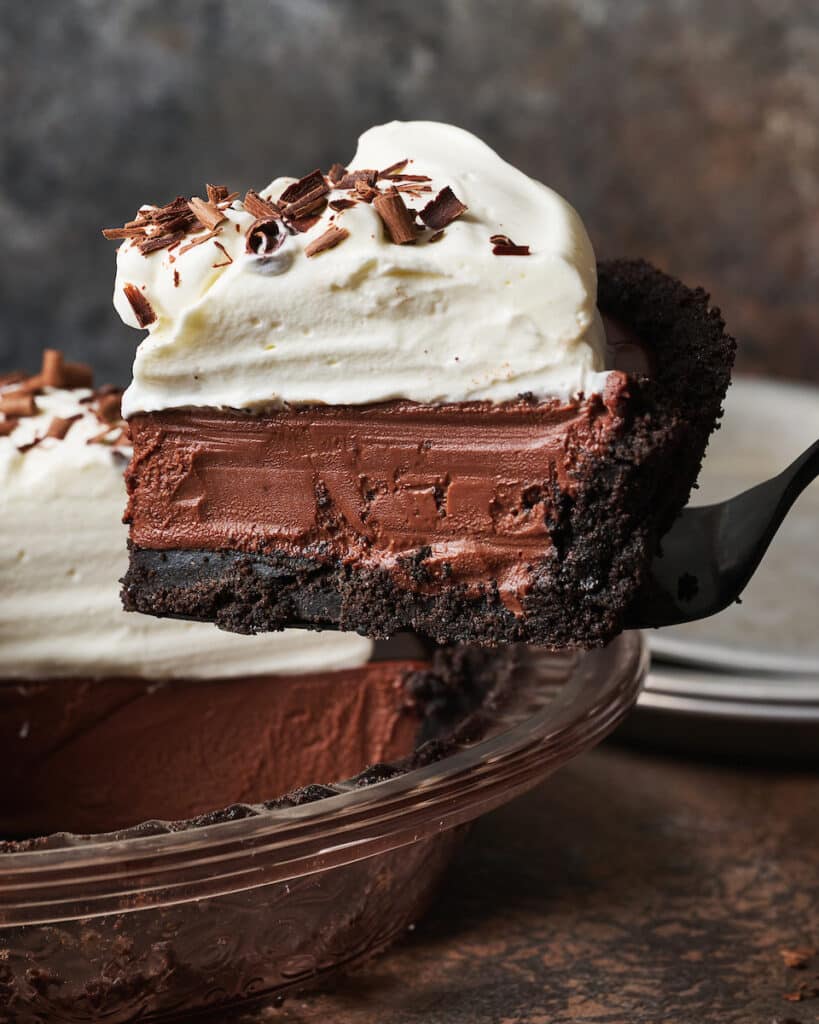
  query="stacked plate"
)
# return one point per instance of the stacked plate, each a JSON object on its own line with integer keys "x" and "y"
{"x": 746, "y": 681}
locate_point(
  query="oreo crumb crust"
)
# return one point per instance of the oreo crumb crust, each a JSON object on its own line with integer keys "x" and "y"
{"x": 603, "y": 538}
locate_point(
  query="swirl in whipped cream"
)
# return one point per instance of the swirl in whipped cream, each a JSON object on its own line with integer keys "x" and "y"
{"x": 444, "y": 319}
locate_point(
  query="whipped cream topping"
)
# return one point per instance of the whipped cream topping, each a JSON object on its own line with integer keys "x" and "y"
{"x": 63, "y": 550}
{"x": 443, "y": 319}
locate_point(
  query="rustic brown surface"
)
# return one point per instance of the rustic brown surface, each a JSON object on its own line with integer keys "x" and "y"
{"x": 630, "y": 888}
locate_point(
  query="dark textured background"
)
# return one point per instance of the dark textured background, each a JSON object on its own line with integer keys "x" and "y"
{"x": 686, "y": 131}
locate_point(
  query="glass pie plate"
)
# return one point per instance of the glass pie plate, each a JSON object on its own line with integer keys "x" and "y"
{"x": 173, "y": 924}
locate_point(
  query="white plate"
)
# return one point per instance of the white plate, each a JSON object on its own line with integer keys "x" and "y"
{"x": 776, "y": 627}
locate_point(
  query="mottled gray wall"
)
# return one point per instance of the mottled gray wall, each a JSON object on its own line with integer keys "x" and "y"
{"x": 683, "y": 130}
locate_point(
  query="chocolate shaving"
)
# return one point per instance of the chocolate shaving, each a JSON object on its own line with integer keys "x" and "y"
{"x": 52, "y": 368}
{"x": 351, "y": 177}
{"x": 312, "y": 202}
{"x": 14, "y": 377}
{"x": 336, "y": 173}
{"x": 113, "y": 234}
{"x": 436, "y": 237}
{"x": 393, "y": 169}
{"x": 502, "y": 245}
{"x": 108, "y": 406}
{"x": 442, "y": 210}
{"x": 397, "y": 219}
{"x": 156, "y": 242}
{"x": 77, "y": 375}
{"x": 198, "y": 241}
{"x": 365, "y": 191}
{"x": 18, "y": 403}
{"x": 329, "y": 240}
{"x": 207, "y": 214}
{"x": 176, "y": 276}
{"x": 143, "y": 310}
{"x": 160, "y": 227}
{"x": 304, "y": 223}
{"x": 7, "y": 426}
{"x": 341, "y": 204}
{"x": 261, "y": 209}
{"x": 218, "y": 193}
{"x": 407, "y": 177}
{"x": 311, "y": 183}
{"x": 264, "y": 236}
{"x": 226, "y": 262}
{"x": 60, "y": 426}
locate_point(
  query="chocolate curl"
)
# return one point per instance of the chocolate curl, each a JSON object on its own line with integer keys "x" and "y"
{"x": 397, "y": 219}
{"x": 329, "y": 240}
{"x": 502, "y": 245}
{"x": 18, "y": 404}
{"x": 143, "y": 310}
{"x": 264, "y": 236}
{"x": 442, "y": 210}
{"x": 60, "y": 426}
{"x": 208, "y": 214}
{"x": 261, "y": 209}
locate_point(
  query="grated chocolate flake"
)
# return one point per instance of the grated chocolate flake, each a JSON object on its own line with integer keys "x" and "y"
{"x": 396, "y": 217}
{"x": 502, "y": 245}
{"x": 60, "y": 425}
{"x": 312, "y": 202}
{"x": 336, "y": 173}
{"x": 156, "y": 242}
{"x": 219, "y": 194}
{"x": 365, "y": 191}
{"x": 399, "y": 165}
{"x": 208, "y": 214}
{"x": 341, "y": 204}
{"x": 309, "y": 184}
{"x": 407, "y": 177}
{"x": 351, "y": 177}
{"x": 442, "y": 210}
{"x": 52, "y": 368}
{"x": 329, "y": 240}
{"x": 107, "y": 406}
{"x": 17, "y": 403}
{"x": 143, "y": 310}
{"x": 228, "y": 258}
{"x": 264, "y": 236}
{"x": 302, "y": 224}
{"x": 160, "y": 227}
{"x": 198, "y": 241}
{"x": 261, "y": 209}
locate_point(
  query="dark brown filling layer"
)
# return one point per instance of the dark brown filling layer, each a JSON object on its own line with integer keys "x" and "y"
{"x": 475, "y": 483}
{"x": 98, "y": 755}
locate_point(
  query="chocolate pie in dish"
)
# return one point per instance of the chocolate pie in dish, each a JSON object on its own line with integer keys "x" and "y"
{"x": 403, "y": 394}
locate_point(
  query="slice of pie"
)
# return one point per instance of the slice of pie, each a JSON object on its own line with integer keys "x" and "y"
{"x": 403, "y": 395}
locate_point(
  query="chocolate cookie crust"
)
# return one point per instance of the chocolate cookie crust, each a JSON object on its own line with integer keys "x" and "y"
{"x": 603, "y": 531}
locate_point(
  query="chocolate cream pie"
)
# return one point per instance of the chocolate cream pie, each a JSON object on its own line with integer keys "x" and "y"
{"x": 107, "y": 719}
{"x": 402, "y": 394}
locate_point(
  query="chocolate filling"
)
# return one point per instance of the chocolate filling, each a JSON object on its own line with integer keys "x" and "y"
{"x": 98, "y": 755}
